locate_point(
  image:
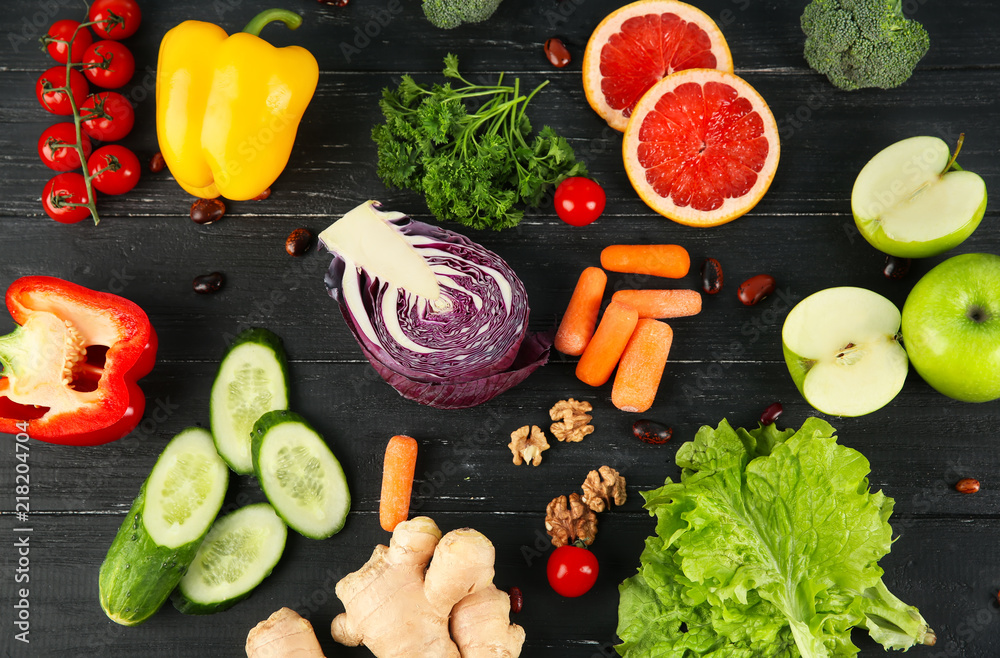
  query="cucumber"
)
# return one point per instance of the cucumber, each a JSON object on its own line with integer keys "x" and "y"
{"x": 239, "y": 552}
{"x": 300, "y": 475}
{"x": 164, "y": 528}
{"x": 252, "y": 379}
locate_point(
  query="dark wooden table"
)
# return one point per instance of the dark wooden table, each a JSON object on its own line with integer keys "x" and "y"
{"x": 725, "y": 363}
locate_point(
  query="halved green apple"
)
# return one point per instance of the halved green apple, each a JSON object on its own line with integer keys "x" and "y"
{"x": 912, "y": 201}
{"x": 842, "y": 349}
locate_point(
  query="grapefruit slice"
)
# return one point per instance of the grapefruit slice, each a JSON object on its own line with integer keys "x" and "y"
{"x": 636, "y": 46}
{"x": 701, "y": 147}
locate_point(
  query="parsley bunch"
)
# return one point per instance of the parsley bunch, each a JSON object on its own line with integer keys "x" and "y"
{"x": 474, "y": 165}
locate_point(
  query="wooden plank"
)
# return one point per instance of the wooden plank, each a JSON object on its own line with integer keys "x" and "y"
{"x": 65, "y": 613}
{"x": 465, "y": 463}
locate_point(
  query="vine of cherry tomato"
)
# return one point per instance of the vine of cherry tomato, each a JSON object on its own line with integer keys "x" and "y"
{"x": 105, "y": 116}
{"x": 124, "y": 16}
{"x": 108, "y": 64}
{"x": 63, "y": 31}
{"x": 112, "y": 116}
{"x": 120, "y": 169}
{"x": 572, "y": 570}
{"x": 57, "y": 102}
{"x": 62, "y": 190}
{"x": 62, "y": 158}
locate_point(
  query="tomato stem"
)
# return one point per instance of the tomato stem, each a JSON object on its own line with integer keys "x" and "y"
{"x": 91, "y": 204}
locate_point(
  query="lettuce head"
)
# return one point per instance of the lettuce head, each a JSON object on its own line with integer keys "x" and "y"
{"x": 767, "y": 546}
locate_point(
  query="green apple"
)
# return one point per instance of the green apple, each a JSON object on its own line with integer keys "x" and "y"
{"x": 912, "y": 201}
{"x": 841, "y": 347}
{"x": 951, "y": 327}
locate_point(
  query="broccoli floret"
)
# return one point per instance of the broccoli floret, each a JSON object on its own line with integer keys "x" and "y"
{"x": 862, "y": 43}
{"x": 448, "y": 14}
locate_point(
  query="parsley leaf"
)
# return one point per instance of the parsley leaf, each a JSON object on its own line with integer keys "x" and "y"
{"x": 469, "y": 149}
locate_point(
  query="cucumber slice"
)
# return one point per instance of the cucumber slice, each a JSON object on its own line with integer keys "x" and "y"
{"x": 165, "y": 526}
{"x": 252, "y": 380}
{"x": 239, "y": 552}
{"x": 300, "y": 475}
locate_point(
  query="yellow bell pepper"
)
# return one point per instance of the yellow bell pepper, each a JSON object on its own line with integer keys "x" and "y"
{"x": 228, "y": 107}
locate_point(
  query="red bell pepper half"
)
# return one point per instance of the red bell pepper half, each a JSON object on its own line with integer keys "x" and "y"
{"x": 70, "y": 369}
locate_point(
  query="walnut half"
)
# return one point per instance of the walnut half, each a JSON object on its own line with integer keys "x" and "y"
{"x": 568, "y": 519}
{"x": 602, "y": 487}
{"x": 527, "y": 445}
{"x": 573, "y": 421}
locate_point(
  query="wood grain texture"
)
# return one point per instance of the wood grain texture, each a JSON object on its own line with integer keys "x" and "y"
{"x": 724, "y": 363}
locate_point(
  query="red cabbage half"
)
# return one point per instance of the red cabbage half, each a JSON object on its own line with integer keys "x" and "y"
{"x": 442, "y": 320}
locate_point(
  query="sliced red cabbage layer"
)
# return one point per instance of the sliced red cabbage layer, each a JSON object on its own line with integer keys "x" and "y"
{"x": 442, "y": 319}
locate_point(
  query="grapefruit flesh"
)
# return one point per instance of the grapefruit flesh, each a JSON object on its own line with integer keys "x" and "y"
{"x": 638, "y": 45}
{"x": 701, "y": 148}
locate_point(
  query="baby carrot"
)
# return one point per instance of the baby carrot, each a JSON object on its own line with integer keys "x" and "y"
{"x": 578, "y": 322}
{"x": 669, "y": 260}
{"x": 397, "y": 481}
{"x": 661, "y": 303}
{"x": 605, "y": 348}
{"x": 642, "y": 365}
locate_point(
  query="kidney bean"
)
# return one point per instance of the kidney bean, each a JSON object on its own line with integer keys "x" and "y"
{"x": 298, "y": 242}
{"x": 756, "y": 288}
{"x": 967, "y": 486}
{"x": 711, "y": 276}
{"x": 557, "y": 53}
{"x": 652, "y": 432}
{"x": 157, "y": 163}
{"x": 895, "y": 267}
{"x": 771, "y": 414}
{"x": 207, "y": 211}
{"x": 516, "y": 599}
{"x": 263, "y": 195}
{"x": 206, "y": 284}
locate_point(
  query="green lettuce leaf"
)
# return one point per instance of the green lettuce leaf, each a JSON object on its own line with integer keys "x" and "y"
{"x": 768, "y": 546}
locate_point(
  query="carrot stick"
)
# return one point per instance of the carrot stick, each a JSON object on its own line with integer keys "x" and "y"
{"x": 669, "y": 260}
{"x": 605, "y": 348}
{"x": 397, "y": 481}
{"x": 642, "y": 365}
{"x": 578, "y": 322}
{"x": 661, "y": 303}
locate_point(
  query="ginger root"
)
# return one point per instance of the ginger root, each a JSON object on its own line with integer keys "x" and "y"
{"x": 399, "y": 607}
{"x": 283, "y": 635}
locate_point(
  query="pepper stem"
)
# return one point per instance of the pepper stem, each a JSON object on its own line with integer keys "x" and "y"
{"x": 257, "y": 23}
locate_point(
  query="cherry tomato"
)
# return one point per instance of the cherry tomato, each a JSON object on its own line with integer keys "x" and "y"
{"x": 121, "y": 169}
{"x": 63, "y": 31}
{"x": 62, "y": 190}
{"x": 112, "y": 116}
{"x": 62, "y": 158}
{"x": 111, "y": 64}
{"x": 572, "y": 570}
{"x": 57, "y": 102}
{"x": 116, "y": 19}
{"x": 579, "y": 201}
